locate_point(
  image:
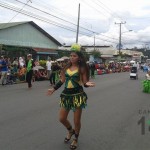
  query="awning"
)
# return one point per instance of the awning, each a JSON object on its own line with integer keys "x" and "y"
{"x": 45, "y": 51}
{"x": 107, "y": 56}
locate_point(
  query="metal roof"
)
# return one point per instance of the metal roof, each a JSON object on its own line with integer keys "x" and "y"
{"x": 13, "y": 24}
{"x": 8, "y": 25}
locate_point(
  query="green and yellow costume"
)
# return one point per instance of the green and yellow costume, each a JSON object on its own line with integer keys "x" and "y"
{"x": 73, "y": 96}
{"x": 146, "y": 86}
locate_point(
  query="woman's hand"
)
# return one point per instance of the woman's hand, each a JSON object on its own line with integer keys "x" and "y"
{"x": 90, "y": 84}
{"x": 50, "y": 91}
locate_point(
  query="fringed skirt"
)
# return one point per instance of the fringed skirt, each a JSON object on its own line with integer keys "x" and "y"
{"x": 146, "y": 86}
{"x": 73, "y": 98}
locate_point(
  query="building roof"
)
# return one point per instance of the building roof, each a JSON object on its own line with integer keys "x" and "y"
{"x": 45, "y": 51}
{"x": 13, "y": 24}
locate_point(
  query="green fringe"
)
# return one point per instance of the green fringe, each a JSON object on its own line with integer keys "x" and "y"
{"x": 71, "y": 102}
{"x": 146, "y": 86}
{"x": 56, "y": 76}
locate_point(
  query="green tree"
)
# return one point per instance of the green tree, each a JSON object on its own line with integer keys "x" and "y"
{"x": 95, "y": 53}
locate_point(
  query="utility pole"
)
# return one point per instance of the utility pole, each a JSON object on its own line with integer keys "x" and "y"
{"x": 78, "y": 24}
{"x": 94, "y": 41}
{"x": 120, "y": 25}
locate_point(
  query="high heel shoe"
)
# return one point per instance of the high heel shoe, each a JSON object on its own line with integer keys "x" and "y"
{"x": 73, "y": 145}
{"x": 70, "y": 134}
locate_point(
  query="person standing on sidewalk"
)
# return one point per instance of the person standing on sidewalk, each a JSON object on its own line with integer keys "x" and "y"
{"x": 4, "y": 70}
{"x": 48, "y": 66}
{"x": 29, "y": 66}
{"x": 74, "y": 75}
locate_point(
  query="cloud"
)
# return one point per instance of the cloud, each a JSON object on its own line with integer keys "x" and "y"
{"x": 98, "y": 15}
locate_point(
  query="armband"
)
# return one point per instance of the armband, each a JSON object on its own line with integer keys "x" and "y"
{"x": 85, "y": 85}
{"x": 58, "y": 85}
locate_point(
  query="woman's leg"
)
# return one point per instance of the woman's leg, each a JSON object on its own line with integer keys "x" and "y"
{"x": 63, "y": 114}
{"x": 77, "y": 120}
{"x": 77, "y": 123}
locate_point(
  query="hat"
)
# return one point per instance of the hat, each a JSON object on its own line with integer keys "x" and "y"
{"x": 29, "y": 55}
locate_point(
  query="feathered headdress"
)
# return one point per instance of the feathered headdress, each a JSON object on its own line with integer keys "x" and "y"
{"x": 76, "y": 47}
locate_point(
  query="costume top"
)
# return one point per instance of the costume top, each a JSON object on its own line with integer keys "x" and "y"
{"x": 72, "y": 79}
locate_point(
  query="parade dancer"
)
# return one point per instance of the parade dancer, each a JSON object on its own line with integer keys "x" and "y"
{"x": 146, "y": 83}
{"x": 54, "y": 77}
{"x": 29, "y": 66}
{"x": 73, "y": 96}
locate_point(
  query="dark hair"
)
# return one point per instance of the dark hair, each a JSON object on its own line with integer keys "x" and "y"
{"x": 83, "y": 67}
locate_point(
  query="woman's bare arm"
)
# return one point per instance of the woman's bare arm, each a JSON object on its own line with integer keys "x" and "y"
{"x": 85, "y": 81}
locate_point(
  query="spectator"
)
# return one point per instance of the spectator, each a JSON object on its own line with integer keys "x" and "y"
{"x": 48, "y": 66}
{"x": 4, "y": 69}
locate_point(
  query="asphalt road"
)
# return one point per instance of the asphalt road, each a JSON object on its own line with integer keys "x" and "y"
{"x": 29, "y": 118}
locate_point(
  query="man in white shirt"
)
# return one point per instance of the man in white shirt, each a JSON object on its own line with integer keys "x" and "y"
{"x": 48, "y": 66}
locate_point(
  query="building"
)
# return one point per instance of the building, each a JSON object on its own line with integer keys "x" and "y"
{"x": 110, "y": 53}
{"x": 20, "y": 38}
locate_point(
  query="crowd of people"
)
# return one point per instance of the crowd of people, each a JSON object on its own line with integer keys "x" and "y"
{"x": 27, "y": 70}
{"x": 111, "y": 67}
{"x": 14, "y": 71}
{"x": 11, "y": 71}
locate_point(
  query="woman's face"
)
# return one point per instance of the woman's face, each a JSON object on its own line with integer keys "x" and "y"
{"x": 74, "y": 58}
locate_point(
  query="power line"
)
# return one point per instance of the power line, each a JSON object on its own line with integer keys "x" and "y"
{"x": 33, "y": 15}
{"x": 109, "y": 10}
{"x": 19, "y": 11}
{"x": 45, "y": 20}
{"x": 94, "y": 8}
{"x": 65, "y": 20}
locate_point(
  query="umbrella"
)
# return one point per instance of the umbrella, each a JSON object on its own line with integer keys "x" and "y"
{"x": 64, "y": 57}
{"x": 38, "y": 68}
{"x": 60, "y": 59}
{"x": 127, "y": 67}
{"x": 132, "y": 61}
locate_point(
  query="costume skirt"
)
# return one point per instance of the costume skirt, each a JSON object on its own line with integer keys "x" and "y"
{"x": 146, "y": 86}
{"x": 73, "y": 98}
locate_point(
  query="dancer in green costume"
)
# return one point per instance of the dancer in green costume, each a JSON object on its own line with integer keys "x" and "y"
{"x": 146, "y": 83}
{"x": 73, "y": 97}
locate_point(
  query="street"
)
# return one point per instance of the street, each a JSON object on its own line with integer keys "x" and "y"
{"x": 112, "y": 120}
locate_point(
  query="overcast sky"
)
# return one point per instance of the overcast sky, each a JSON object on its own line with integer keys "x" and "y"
{"x": 97, "y": 17}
